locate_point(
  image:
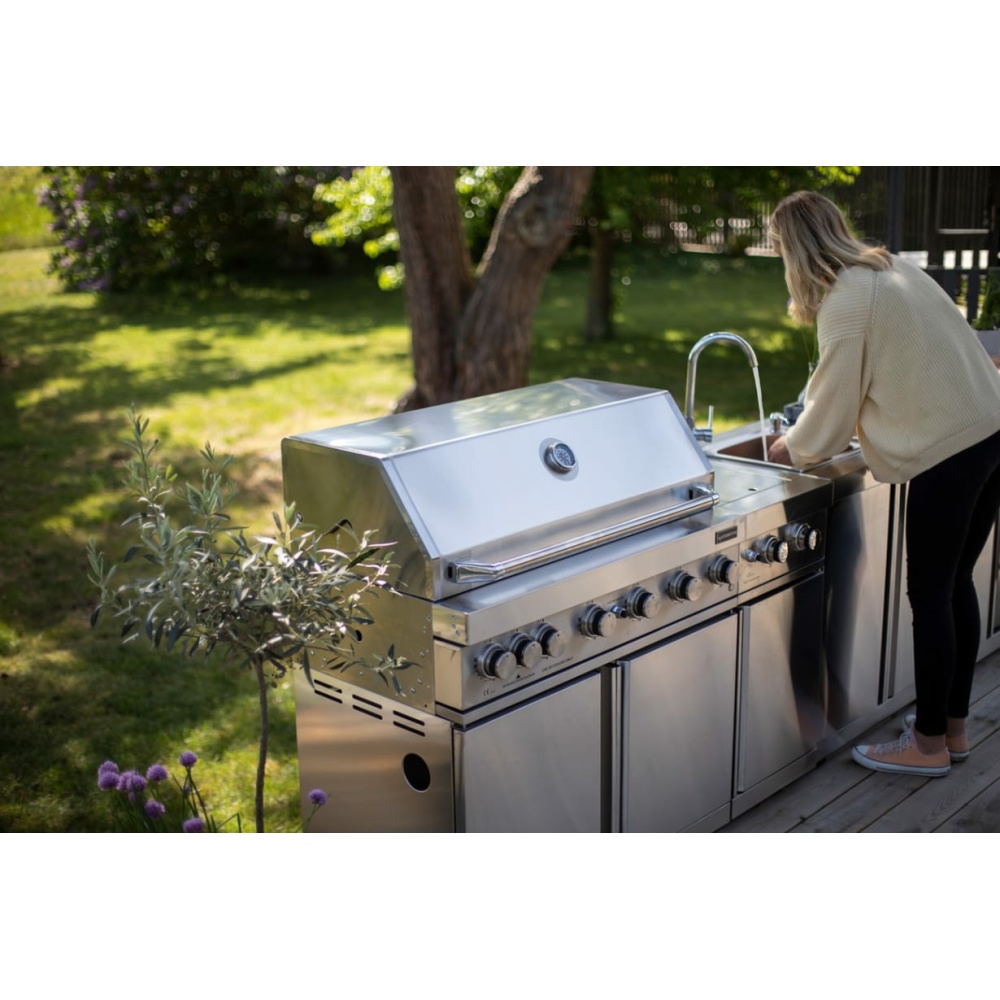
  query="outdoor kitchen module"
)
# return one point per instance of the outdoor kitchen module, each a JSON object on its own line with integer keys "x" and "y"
{"x": 592, "y": 626}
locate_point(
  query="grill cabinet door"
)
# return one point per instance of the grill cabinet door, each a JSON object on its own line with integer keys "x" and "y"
{"x": 784, "y": 690}
{"x": 537, "y": 768}
{"x": 680, "y": 704}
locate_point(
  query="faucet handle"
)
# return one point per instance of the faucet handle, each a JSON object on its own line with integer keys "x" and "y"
{"x": 778, "y": 423}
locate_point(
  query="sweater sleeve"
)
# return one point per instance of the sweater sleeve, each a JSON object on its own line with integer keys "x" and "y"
{"x": 836, "y": 390}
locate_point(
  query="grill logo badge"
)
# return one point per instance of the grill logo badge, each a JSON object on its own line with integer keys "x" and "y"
{"x": 726, "y": 534}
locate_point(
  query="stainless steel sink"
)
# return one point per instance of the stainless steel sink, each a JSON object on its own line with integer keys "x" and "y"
{"x": 749, "y": 448}
{"x": 744, "y": 445}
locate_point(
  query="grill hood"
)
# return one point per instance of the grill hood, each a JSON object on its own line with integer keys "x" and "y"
{"x": 481, "y": 489}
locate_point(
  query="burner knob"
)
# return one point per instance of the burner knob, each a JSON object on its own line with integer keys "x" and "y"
{"x": 640, "y": 603}
{"x": 723, "y": 570}
{"x": 527, "y": 651}
{"x": 595, "y": 622}
{"x": 495, "y": 661}
{"x": 771, "y": 549}
{"x": 552, "y": 641}
{"x": 801, "y": 537}
{"x": 684, "y": 587}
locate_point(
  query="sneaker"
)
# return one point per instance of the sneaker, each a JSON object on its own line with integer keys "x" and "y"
{"x": 903, "y": 756}
{"x": 958, "y": 746}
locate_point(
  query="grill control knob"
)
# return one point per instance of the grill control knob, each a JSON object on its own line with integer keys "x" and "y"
{"x": 495, "y": 661}
{"x": 640, "y": 603}
{"x": 723, "y": 570}
{"x": 801, "y": 537}
{"x": 595, "y": 621}
{"x": 552, "y": 641}
{"x": 684, "y": 587}
{"x": 771, "y": 549}
{"x": 527, "y": 651}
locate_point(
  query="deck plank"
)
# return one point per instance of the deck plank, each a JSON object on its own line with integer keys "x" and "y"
{"x": 839, "y": 796}
{"x": 933, "y": 805}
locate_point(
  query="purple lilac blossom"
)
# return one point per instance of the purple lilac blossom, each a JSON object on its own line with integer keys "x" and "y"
{"x": 188, "y": 759}
{"x": 317, "y": 797}
{"x": 154, "y": 809}
{"x": 157, "y": 772}
{"x": 194, "y": 825}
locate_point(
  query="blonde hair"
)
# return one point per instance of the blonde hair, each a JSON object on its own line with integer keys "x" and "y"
{"x": 815, "y": 243}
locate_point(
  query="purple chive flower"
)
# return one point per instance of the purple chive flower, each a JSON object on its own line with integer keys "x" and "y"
{"x": 107, "y": 780}
{"x": 194, "y": 825}
{"x": 188, "y": 759}
{"x": 317, "y": 797}
{"x": 154, "y": 809}
{"x": 108, "y": 765}
{"x": 131, "y": 781}
{"x": 156, "y": 772}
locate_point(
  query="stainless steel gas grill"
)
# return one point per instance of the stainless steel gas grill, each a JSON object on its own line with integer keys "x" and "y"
{"x": 575, "y": 639}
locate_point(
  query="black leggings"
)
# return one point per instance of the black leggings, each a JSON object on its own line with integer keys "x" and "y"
{"x": 950, "y": 510}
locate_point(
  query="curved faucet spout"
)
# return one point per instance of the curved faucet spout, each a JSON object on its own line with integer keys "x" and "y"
{"x": 692, "y": 368}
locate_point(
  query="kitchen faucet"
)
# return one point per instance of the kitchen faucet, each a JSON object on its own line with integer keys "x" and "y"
{"x": 705, "y": 433}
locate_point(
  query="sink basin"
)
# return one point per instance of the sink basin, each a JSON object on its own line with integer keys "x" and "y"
{"x": 748, "y": 448}
{"x": 745, "y": 446}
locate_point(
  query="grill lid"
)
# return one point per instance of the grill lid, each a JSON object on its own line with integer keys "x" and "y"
{"x": 483, "y": 488}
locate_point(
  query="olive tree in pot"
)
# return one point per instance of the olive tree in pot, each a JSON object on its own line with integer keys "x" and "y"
{"x": 263, "y": 599}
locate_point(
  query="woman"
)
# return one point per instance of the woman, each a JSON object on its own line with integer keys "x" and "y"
{"x": 901, "y": 368}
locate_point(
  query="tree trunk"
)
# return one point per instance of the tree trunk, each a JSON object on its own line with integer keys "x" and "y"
{"x": 475, "y": 338}
{"x": 599, "y": 298}
{"x": 258, "y": 799}
{"x": 438, "y": 276}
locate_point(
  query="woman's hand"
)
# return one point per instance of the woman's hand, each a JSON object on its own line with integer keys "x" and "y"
{"x": 778, "y": 452}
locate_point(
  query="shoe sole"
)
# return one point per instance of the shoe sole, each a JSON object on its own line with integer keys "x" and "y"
{"x": 878, "y": 765}
{"x": 957, "y": 756}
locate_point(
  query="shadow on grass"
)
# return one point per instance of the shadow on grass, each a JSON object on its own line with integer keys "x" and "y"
{"x": 62, "y": 719}
{"x": 63, "y": 449}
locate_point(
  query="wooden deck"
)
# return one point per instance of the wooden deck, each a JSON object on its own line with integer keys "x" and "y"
{"x": 839, "y": 796}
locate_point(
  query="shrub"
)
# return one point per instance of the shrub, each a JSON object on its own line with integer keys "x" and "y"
{"x": 263, "y": 600}
{"x": 126, "y": 228}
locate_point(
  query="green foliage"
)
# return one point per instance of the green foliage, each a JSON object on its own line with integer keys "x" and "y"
{"x": 23, "y": 221}
{"x": 151, "y": 804}
{"x": 989, "y": 313}
{"x": 263, "y": 599}
{"x": 362, "y": 212}
{"x": 126, "y": 228}
{"x": 245, "y": 366}
{"x": 697, "y": 200}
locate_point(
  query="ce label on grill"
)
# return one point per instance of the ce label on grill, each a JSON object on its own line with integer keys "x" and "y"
{"x": 559, "y": 457}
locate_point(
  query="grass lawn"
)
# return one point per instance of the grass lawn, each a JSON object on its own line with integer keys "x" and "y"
{"x": 242, "y": 369}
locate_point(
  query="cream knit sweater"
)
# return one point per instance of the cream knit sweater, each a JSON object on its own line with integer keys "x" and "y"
{"x": 900, "y": 367}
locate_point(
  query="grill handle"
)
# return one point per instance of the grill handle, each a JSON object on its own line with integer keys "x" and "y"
{"x": 471, "y": 572}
